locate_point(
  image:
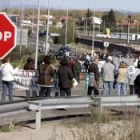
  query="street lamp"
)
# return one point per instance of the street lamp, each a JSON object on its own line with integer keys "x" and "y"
{"x": 93, "y": 32}
{"x": 66, "y": 28}
{"x": 47, "y": 29}
{"x": 21, "y": 28}
{"x": 129, "y": 21}
{"x": 37, "y": 36}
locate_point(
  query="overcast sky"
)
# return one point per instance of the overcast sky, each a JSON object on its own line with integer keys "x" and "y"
{"x": 128, "y": 5}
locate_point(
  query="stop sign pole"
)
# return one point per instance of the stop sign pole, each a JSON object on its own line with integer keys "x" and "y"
{"x": 8, "y": 33}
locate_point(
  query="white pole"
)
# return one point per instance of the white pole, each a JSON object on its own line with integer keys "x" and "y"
{"x": 93, "y": 32}
{"x": 37, "y": 35}
{"x": 21, "y": 28}
{"x": 47, "y": 29}
{"x": 66, "y": 29}
{"x": 128, "y": 31}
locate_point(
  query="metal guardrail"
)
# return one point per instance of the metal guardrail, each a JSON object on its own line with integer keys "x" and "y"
{"x": 70, "y": 103}
{"x": 80, "y": 102}
{"x": 115, "y": 101}
{"x": 59, "y": 103}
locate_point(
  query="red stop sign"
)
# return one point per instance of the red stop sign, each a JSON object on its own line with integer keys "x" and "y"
{"x": 7, "y": 35}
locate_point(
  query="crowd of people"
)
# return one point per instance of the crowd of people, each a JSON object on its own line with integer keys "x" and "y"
{"x": 61, "y": 77}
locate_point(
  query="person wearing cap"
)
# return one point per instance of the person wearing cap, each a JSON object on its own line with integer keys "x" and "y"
{"x": 108, "y": 71}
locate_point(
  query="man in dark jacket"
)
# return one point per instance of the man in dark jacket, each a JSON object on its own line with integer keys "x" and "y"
{"x": 137, "y": 85}
{"x": 65, "y": 77}
{"x": 30, "y": 64}
{"x": 93, "y": 72}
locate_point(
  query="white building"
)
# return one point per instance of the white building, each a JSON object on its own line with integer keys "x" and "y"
{"x": 97, "y": 20}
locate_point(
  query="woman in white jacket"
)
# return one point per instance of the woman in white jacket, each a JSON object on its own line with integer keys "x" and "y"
{"x": 8, "y": 73}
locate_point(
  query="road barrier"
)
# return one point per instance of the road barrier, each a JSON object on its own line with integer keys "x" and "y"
{"x": 58, "y": 103}
{"x": 81, "y": 102}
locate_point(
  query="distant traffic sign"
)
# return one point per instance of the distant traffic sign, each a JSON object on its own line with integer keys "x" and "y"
{"x": 106, "y": 44}
{"x": 7, "y": 35}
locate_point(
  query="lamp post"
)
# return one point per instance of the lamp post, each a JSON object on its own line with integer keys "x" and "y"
{"x": 137, "y": 30}
{"x": 129, "y": 20}
{"x": 33, "y": 19}
{"x": 66, "y": 28}
{"x": 21, "y": 28}
{"x": 93, "y": 32}
{"x": 47, "y": 28}
{"x": 37, "y": 35}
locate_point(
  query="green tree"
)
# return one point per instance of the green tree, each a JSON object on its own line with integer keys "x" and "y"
{"x": 71, "y": 35}
{"x": 88, "y": 18}
{"x": 109, "y": 20}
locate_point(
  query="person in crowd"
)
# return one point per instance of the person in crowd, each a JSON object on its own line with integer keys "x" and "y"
{"x": 137, "y": 85}
{"x": 71, "y": 63}
{"x": 93, "y": 72}
{"x": 65, "y": 77}
{"x": 77, "y": 69}
{"x": 30, "y": 64}
{"x": 108, "y": 71}
{"x": 122, "y": 78}
{"x": 115, "y": 75}
{"x": 8, "y": 72}
{"x": 45, "y": 79}
{"x": 86, "y": 63}
{"x": 132, "y": 76}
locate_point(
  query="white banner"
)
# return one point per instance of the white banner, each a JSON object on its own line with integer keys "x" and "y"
{"x": 26, "y": 79}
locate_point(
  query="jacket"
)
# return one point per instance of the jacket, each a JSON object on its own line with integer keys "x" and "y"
{"x": 65, "y": 77}
{"x": 77, "y": 67}
{"x": 132, "y": 77}
{"x": 108, "y": 72}
{"x": 7, "y": 71}
{"x": 122, "y": 75}
{"x": 46, "y": 74}
{"x": 93, "y": 68}
{"x": 29, "y": 66}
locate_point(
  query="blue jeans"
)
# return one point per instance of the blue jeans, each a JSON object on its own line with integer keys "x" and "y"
{"x": 7, "y": 85}
{"x": 108, "y": 86}
{"x": 121, "y": 88}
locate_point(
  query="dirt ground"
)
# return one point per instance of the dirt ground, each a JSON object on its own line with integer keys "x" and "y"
{"x": 49, "y": 131}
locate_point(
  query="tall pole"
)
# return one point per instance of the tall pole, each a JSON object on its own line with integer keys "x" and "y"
{"x": 21, "y": 28}
{"x": 66, "y": 28}
{"x": 0, "y": 6}
{"x": 33, "y": 20}
{"x": 73, "y": 35}
{"x": 137, "y": 31}
{"x": 86, "y": 27}
{"x": 47, "y": 28}
{"x": 93, "y": 32}
{"x": 128, "y": 31}
{"x": 37, "y": 35}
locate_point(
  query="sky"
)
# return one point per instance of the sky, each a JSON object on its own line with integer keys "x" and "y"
{"x": 125, "y": 5}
